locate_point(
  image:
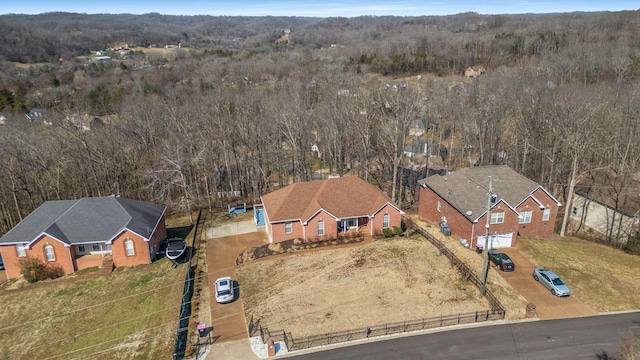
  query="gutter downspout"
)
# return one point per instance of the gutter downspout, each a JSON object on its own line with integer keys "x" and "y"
{"x": 73, "y": 268}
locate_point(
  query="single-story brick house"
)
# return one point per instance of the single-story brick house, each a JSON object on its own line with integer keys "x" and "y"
{"x": 325, "y": 209}
{"x": 519, "y": 206}
{"x": 77, "y": 234}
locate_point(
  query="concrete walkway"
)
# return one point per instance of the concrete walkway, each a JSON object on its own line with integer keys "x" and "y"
{"x": 230, "y": 229}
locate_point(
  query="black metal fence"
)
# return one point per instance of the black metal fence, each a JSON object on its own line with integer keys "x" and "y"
{"x": 300, "y": 343}
{"x": 496, "y": 312}
{"x": 182, "y": 332}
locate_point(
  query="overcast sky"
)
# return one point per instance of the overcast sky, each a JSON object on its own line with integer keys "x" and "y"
{"x": 329, "y": 8}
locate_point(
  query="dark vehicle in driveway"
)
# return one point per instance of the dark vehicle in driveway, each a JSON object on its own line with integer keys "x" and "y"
{"x": 501, "y": 260}
{"x": 551, "y": 281}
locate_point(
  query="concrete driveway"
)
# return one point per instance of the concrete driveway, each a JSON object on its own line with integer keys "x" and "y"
{"x": 548, "y": 306}
{"x": 229, "y": 326}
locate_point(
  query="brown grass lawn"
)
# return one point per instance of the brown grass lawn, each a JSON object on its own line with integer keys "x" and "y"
{"x": 338, "y": 289}
{"x": 130, "y": 314}
{"x": 604, "y": 278}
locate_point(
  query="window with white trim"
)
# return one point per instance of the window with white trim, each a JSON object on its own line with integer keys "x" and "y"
{"x": 546, "y": 214}
{"x": 20, "y": 248}
{"x": 525, "y": 217}
{"x": 82, "y": 249}
{"x": 439, "y": 206}
{"x": 95, "y": 247}
{"x": 128, "y": 245}
{"x": 320, "y": 227}
{"x": 48, "y": 252}
{"x": 385, "y": 221}
{"x": 497, "y": 217}
{"x": 288, "y": 227}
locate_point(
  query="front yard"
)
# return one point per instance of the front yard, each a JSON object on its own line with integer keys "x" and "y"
{"x": 338, "y": 289}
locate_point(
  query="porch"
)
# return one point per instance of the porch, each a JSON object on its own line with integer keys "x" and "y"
{"x": 89, "y": 260}
{"x": 352, "y": 226}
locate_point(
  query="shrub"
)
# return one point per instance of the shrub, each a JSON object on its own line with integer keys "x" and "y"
{"x": 35, "y": 269}
{"x": 387, "y": 232}
{"x": 633, "y": 245}
{"x": 397, "y": 230}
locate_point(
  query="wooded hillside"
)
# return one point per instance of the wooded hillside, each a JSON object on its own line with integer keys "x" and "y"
{"x": 225, "y": 109}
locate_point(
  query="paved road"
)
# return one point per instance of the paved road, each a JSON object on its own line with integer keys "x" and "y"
{"x": 574, "y": 338}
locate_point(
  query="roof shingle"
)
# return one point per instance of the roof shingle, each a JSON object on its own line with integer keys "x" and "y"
{"x": 343, "y": 197}
{"x": 86, "y": 220}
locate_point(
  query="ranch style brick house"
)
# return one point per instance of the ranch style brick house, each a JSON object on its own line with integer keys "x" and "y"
{"x": 519, "y": 206}
{"x": 326, "y": 209}
{"x": 77, "y": 234}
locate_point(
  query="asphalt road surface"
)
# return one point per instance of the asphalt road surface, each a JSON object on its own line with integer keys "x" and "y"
{"x": 574, "y": 338}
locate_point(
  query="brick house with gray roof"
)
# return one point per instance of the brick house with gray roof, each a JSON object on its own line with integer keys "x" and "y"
{"x": 326, "y": 209}
{"x": 519, "y": 206}
{"x": 77, "y": 234}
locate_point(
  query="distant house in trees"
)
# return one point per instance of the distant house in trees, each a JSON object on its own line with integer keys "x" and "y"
{"x": 607, "y": 205}
{"x": 325, "y": 209}
{"x": 77, "y": 234}
{"x": 38, "y": 115}
{"x": 424, "y": 147}
{"x": 519, "y": 206}
{"x": 101, "y": 58}
{"x": 474, "y": 71}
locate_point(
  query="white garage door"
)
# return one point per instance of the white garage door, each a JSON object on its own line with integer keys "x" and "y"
{"x": 497, "y": 240}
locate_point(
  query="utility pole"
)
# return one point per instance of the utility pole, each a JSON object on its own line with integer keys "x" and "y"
{"x": 485, "y": 262}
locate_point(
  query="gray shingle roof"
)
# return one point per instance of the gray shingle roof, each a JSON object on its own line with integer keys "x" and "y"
{"x": 87, "y": 220}
{"x": 466, "y": 189}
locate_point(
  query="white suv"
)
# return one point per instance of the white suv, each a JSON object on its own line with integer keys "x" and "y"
{"x": 224, "y": 290}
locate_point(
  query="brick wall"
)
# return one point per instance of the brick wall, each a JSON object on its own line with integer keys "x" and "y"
{"x": 537, "y": 227}
{"x": 37, "y": 250}
{"x": 278, "y": 231}
{"x": 119, "y": 253}
{"x": 330, "y": 227}
{"x": 395, "y": 219}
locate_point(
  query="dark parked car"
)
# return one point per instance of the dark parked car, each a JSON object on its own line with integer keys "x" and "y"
{"x": 501, "y": 260}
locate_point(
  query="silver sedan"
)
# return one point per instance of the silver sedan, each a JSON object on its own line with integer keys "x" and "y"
{"x": 551, "y": 281}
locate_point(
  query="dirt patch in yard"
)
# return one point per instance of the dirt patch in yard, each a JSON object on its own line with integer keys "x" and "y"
{"x": 382, "y": 282}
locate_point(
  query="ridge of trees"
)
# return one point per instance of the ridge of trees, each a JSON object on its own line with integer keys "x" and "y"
{"x": 232, "y": 112}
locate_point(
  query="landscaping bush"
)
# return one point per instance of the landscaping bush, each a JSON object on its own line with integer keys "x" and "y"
{"x": 35, "y": 269}
{"x": 387, "y": 232}
{"x": 633, "y": 245}
{"x": 397, "y": 230}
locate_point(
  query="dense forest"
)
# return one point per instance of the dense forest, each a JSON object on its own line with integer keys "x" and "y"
{"x": 199, "y": 111}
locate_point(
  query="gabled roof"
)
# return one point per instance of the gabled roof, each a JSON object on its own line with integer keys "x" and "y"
{"x": 343, "y": 197}
{"x": 467, "y": 189}
{"x": 87, "y": 220}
